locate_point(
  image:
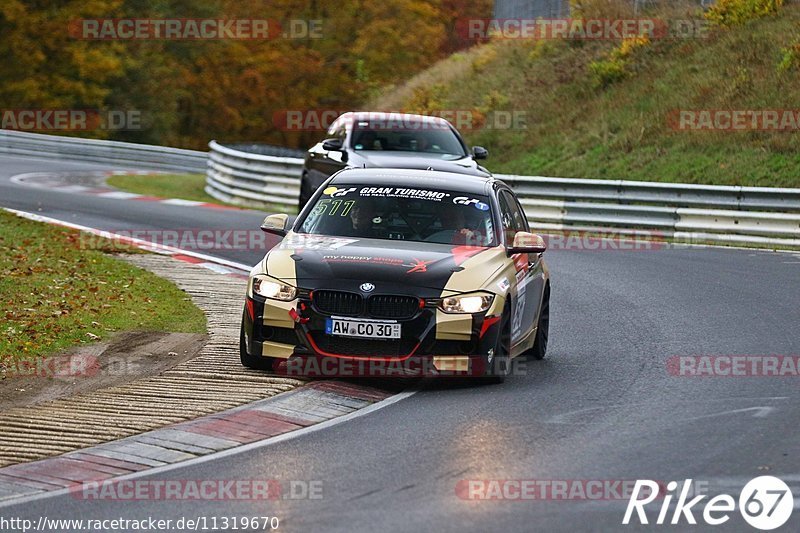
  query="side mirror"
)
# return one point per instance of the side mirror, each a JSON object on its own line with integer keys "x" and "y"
{"x": 479, "y": 152}
{"x": 527, "y": 243}
{"x": 332, "y": 145}
{"x": 276, "y": 224}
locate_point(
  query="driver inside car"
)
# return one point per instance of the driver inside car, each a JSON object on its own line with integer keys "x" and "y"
{"x": 367, "y": 141}
{"x": 362, "y": 221}
{"x": 464, "y": 231}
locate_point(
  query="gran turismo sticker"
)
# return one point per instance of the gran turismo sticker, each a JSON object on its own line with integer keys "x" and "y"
{"x": 465, "y": 200}
{"x": 315, "y": 242}
{"x": 504, "y": 284}
{"x": 337, "y": 192}
{"x": 399, "y": 192}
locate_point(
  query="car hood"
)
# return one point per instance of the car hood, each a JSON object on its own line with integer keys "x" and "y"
{"x": 316, "y": 262}
{"x": 415, "y": 160}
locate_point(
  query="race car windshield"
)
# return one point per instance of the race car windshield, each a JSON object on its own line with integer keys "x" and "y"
{"x": 397, "y": 213}
{"x": 421, "y": 137}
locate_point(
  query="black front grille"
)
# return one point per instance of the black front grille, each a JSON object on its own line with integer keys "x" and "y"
{"x": 363, "y": 347}
{"x": 390, "y": 306}
{"x": 338, "y": 303}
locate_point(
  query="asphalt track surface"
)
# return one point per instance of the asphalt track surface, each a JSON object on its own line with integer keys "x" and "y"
{"x": 602, "y": 406}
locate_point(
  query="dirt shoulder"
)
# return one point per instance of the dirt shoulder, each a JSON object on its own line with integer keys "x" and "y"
{"x": 128, "y": 356}
{"x": 136, "y": 385}
{"x": 76, "y": 318}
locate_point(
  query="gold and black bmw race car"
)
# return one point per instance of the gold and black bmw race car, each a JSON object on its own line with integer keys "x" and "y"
{"x": 400, "y": 271}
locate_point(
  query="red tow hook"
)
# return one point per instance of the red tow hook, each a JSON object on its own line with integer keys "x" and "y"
{"x": 296, "y": 317}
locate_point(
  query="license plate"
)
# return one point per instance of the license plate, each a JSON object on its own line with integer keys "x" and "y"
{"x": 373, "y": 329}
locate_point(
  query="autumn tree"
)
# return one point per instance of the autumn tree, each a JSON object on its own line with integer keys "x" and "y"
{"x": 191, "y": 91}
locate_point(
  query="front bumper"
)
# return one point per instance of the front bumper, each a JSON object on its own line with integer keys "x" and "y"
{"x": 432, "y": 342}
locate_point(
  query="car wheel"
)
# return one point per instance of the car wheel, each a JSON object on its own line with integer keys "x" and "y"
{"x": 497, "y": 366}
{"x": 252, "y": 361}
{"x": 539, "y": 349}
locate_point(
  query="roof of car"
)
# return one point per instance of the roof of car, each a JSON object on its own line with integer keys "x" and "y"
{"x": 389, "y": 115}
{"x": 400, "y": 177}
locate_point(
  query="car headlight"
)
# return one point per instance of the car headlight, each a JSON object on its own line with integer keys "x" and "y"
{"x": 467, "y": 303}
{"x": 273, "y": 289}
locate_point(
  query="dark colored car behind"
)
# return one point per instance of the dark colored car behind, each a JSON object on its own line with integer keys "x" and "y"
{"x": 388, "y": 140}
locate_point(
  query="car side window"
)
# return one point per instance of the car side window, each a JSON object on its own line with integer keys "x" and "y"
{"x": 341, "y": 131}
{"x": 520, "y": 219}
{"x": 517, "y": 220}
{"x": 506, "y": 218}
{"x": 333, "y": 128}
{"x": 337, "y": 130}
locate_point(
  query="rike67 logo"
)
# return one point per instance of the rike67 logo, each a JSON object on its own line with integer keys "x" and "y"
{"x": 765, "y": 503}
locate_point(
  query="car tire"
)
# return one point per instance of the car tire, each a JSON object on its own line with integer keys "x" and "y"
{"x": 497, "y": 367}
{"x": 252, "y": 361}
{"x": 539, "y": 349}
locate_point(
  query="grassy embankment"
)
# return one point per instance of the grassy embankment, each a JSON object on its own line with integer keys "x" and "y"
{"x": 602, "y": 109}
{"x": 60, "y": 289}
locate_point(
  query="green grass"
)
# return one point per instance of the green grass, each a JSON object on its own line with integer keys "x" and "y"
{"x": 56, "y": 293}
{"x": 577, "y": 128}
{"x": 183, "y": 186}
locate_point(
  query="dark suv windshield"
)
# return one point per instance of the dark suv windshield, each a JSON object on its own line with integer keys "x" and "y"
{"x": 405, "y": 136}
{"x": 400, "y": 213}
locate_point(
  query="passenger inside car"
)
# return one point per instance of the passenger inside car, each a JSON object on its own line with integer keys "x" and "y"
{"x": 367, "y": 140}
{"x": 465, "y": 229}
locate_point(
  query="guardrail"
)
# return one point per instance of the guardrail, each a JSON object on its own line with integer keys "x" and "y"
{"x": 684, "y": 212}
{"x": 270, "y": 179}
{"x": 102, "y": 151}
{"x": 252, "y": 179}
{"x": 649, "y": 192}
